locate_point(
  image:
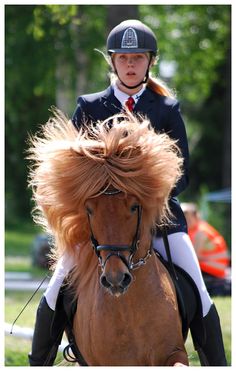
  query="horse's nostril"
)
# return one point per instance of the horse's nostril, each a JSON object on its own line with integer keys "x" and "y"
{"x": 116, "y": 283}
{"x": 104, "y": 281}
{"x": 126, "y": 280}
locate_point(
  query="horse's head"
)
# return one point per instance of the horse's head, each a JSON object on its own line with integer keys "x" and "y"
{"x": 74, "y": 177}
{"x": 115, "y": 224}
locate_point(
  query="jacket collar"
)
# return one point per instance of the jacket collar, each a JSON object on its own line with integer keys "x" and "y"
{"x": 144, "y": 104}
{"x": 122, "y": 97}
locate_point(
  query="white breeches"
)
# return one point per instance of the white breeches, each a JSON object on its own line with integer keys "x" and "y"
{"x": 64, "y": 265}
{"x": 182, "y": 253}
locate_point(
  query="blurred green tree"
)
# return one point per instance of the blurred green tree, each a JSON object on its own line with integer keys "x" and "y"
{"x": 197, "y": 40}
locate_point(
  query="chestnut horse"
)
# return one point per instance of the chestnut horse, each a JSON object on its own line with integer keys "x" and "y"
{"x": 101, "y": 192}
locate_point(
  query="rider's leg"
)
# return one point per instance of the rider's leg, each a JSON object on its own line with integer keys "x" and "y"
{"x": 183, "y": 254}
{"x": 46, "y": 338}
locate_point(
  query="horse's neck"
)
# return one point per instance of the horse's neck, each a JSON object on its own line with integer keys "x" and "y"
{"x": 86, "y": 267}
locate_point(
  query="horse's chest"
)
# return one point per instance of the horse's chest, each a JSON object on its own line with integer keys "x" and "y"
{"x": 123, "y": 329}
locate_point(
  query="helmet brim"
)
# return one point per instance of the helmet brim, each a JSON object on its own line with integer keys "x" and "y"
{"x": 130, "y": 51}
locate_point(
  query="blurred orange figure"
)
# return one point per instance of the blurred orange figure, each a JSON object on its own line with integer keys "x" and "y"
{"x": 210, "y": 246}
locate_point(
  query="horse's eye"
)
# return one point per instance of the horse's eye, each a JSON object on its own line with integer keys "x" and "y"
{"x": 134, "y": 208}
{"x": 89, "y": 211}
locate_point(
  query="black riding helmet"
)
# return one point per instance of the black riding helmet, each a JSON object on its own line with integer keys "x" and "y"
{"x": 132, "y": 36}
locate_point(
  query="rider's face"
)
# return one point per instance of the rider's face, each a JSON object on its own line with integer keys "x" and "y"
{"x": 131, "y": 67}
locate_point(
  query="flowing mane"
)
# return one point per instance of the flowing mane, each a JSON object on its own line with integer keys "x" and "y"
{"x": 71, "y": 166}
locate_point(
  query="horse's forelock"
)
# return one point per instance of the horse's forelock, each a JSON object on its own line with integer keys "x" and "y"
{"x": 121, "y": 152}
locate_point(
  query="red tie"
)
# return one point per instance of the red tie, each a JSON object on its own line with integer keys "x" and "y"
{"x": 130, "y": 103}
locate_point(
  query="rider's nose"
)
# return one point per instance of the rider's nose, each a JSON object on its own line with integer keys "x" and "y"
{"x": 130, "y": 60}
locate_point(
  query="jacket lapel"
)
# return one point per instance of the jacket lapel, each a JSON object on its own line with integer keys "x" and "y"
{"x": 113, "y": 105}
{"x": 110, "y": 102}
{"x": 145, "y": 103}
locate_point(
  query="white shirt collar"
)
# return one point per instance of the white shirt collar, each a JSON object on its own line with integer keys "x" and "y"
{"x": 122, "y": 97}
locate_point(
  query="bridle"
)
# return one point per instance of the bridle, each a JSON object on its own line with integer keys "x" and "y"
{"x": 117, "y": 250}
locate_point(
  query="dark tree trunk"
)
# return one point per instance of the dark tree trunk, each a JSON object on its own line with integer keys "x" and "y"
{"x": 119, "y": 13}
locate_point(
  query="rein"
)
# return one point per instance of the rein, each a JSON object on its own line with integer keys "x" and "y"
{"x": 116, "y": 250}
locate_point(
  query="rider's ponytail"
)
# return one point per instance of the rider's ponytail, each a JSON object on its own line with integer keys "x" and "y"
{"x": 159, "y": 87}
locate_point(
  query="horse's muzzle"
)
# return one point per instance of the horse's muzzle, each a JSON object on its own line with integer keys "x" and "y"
{"x": 116, "y": 283}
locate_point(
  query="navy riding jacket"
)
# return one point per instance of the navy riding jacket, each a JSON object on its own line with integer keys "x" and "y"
{"x": 164, "y": 115}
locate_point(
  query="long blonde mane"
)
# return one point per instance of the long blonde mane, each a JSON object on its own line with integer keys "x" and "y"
{"x": 68, "y": 167}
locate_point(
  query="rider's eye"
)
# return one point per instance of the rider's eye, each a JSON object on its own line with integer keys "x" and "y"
{"x": 122, "y": 57}
{"x": 134, "y": 208}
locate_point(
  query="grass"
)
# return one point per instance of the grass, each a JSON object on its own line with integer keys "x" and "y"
{"x": 17, "y": 349}
{"x": 223, "y": 305}
{"x": 19, "y": 237}
{"x": 23, "y": 264}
